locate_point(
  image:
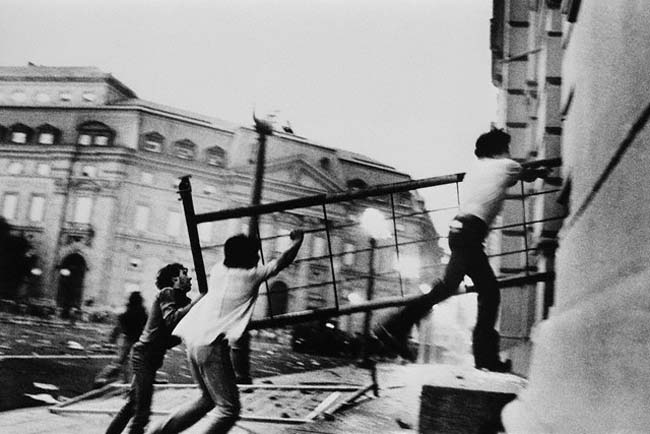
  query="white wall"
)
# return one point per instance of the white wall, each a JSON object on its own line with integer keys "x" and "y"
{"x": 591, "y": 358}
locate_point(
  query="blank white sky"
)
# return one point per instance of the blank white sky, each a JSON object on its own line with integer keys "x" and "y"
{"x": 405, "y": 82}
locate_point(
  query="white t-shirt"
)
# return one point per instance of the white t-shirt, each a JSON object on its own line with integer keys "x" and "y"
{"x": 484, "y": 187}
{"x": 227, "y": 307}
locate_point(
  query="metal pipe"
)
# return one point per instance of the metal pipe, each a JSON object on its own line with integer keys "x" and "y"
{"x": 320, "y": 199}
{"x": 298, "y": 317}
{"x": 185, "y": 191}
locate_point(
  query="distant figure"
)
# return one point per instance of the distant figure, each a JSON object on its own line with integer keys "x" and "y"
{"x": 125, "y": 333}
{"x": 218, "y": 321}
{"x": 170, "y": 305}
{"x": 484, "y": 190}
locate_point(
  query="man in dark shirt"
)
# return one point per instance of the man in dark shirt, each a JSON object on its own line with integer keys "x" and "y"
{"x": 170, "y": 305}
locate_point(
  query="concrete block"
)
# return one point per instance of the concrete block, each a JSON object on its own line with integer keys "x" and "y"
{"x": 468, "y": 403}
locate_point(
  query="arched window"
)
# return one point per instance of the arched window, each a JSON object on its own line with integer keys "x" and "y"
{"x": 357, "y": 183}
{"x": 216, "y": 156}
{"x": 152, "y": 142}
{"x": 94, "y": 133}
{"x": 46, "y": 134}
{"x": 20, "y": 134}
{"x": 185, "y": 149}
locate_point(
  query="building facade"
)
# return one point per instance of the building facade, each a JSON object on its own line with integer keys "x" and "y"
{"x": 89, "y": 173}
{"x": 526, "y": 45}
{"x": 590, "y": 357}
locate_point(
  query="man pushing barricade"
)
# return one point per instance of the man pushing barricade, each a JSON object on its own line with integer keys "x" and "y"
{"x": 169, "y": 306}
{"x": 218, "y": 321}
{"x": 484, "y": 190}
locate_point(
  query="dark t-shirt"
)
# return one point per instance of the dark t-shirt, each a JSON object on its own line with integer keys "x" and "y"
{"x": 166, "y": 311}
{"x": 132, "y": 322}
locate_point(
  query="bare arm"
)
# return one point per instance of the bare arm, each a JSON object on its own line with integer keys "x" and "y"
{"x": 290, "y": 254}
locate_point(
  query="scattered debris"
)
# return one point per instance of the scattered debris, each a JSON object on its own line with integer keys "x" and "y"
{"x": 45, "y": 386}
{"x": 74, "y": 345}
{"x": 43, "y": 397}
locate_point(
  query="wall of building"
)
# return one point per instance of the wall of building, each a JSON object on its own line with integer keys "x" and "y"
{"x": 119, "y": 178}
{"x": 590, "y": 364}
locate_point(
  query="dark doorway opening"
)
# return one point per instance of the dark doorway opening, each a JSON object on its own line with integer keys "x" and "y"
{"x": 72, "y": 271}
{"x": 278, "y": 298}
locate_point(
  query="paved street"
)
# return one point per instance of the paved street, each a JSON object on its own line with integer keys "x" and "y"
{"x": 394, "y": 411}
{"x": 39, "y": 352}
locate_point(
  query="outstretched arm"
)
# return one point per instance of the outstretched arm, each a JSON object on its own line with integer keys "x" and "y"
{"x": 290, "y": 254}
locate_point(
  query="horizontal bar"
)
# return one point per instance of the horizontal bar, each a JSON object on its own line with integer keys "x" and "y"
{"x": 298, "y": 317}
{"x": 320, "y": 199}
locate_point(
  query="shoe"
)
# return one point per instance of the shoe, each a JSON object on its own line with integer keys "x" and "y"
{"x": 400, "y": 346}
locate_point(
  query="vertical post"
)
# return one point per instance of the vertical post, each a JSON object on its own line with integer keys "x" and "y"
{"x": 370, "y": 290}
{"x": 266, "y": 282}
{"x": 329, "y": 249}
{"x": 264, "y": 130}
{"x": 399, "y": 272}
{"x": 185, "y": 191}
{"x": 240, "y": 353}
{"x": 64, "y": 212}
{"x": 525, "y": 226}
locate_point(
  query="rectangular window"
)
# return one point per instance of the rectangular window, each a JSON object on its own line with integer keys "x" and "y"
{"x": 319, "y": 247}
{"x": 152, "y": 146}
{"x": 37, "y": 208}
{"x": 173, "y": 224}
{"x": 83, "y": 209}
{"x": 184, "y": 153}
{"x": 100, "y": 140}
{"x": 146, "y": 178}
{"x": 84, "y": 139}
{"x": 46, "y": 139}
{"x": 348, "y": 258}
{"x": 10, "y": 206}
{"x": 43, "y": 169}
{"x": 18, "y": 137}
{"x": 141, "y": 217}
{"x": 205, "y": 232}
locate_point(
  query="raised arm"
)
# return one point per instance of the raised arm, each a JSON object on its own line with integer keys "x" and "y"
{"x": 289, "y": 255}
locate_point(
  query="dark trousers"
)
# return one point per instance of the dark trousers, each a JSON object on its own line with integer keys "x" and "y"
{"x": 466, "y": 237}
{"x": 213, "y": 373}
{"x": 138, "y": 403}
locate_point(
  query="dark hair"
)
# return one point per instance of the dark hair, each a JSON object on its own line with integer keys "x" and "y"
{"x": 135, "y": 299}
{"x": 241, "y": 252}
{"x": 493, "y": 143}
{"x": 166, "y": 274}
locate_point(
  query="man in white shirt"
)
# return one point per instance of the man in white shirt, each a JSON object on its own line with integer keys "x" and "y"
{"x": 217, "y": 322}
{"x": 484, "y": 190}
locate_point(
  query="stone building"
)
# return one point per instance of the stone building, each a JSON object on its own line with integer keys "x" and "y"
{"x": 526, "y": 45}
{"x": 590, "y": 355}
{"x": 89, "y": 172}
